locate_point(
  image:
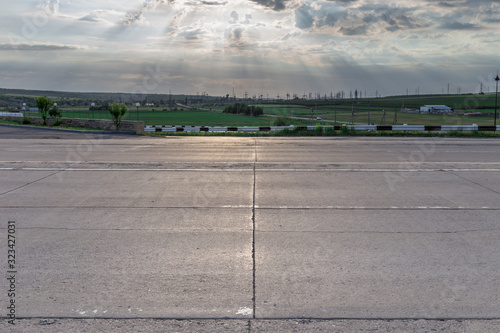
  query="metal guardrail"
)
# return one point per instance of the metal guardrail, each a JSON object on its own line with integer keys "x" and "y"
{"x": 11, "y": 114}
{"x": 405, "y": 127}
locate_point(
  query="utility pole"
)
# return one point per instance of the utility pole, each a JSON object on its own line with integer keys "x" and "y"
{"x": 368, "y": 113}
{"x": 352, "y": 114}
{"x": 496, "y": 100}
{"x": 396, "y": 115}
{"x": 335, "y": 113}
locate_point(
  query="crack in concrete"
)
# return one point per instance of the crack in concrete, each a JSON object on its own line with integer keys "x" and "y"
{"x": 253, "y": 233}
{"x": 29, "y": 183}
{"x": 476, "y": 183}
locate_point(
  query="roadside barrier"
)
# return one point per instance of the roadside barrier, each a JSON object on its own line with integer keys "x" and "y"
{"x": 405, "y": 127}
{"x": 11, "y": 114}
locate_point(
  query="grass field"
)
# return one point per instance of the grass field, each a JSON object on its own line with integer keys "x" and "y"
{"x": 365, "y": 111}
{"x": 372, "y": 110}
{"x": 184, "y": 117}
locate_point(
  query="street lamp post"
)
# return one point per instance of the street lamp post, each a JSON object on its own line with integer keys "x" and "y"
{"x": 137, "y": 104}
{"x": 92, "y": 106}
{"x": 496, "y": 99}
{"x": 55, "y": 106}
{"x": 24, "y": 109}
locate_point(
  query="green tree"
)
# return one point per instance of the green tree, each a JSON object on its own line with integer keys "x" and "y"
{"x": 43, "y": 104}
{"x": 259, "y": 111}
{"x": 55, "y": 112}
{"x": 117, "y": 112}
{"x": 282, "y": 121}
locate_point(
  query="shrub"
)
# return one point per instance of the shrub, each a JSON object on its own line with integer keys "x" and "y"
{"x": 43, "y": 104}
{"x": 318, "y": 130}
{"x": 282, "y": 121}
{"x": 117, "y": 112}
{"x": 26, "y": 120}
{"x": 58, "y": 122}
{"x": 55, "y": 112}
{"x": 330, "y": 130}
{"x": 348, "y": 130}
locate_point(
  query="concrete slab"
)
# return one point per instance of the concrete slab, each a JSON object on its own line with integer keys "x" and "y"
{"x": 371, "y": 189}
{"x": 126, "y": 218}
{"x": 278, "y": 326}
{"x": 10, "y": 181}
{"x": 384, "y": 221}
{"x": 109, "y": 188}
{"x": 133, "y": 273}
{"x": 377, "y": 275}
{"x": 108, "y": 226}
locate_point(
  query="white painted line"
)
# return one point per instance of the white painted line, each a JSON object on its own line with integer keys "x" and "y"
{"x": 378, "y": 170}
{"x": 89, "y": 170}
{"x": 378, "y": 208}
{"x": 252, "y": 162}
{"x": 249, "y": 169}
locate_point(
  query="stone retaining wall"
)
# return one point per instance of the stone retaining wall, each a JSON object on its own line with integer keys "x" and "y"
{"x": 103, "y": 124}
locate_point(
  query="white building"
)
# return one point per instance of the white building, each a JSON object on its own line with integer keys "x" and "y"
{"x": 433, "y": 109}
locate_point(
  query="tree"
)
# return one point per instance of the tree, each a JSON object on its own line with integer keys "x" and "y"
{"x": 55, "y": 112}
{"x": 259, "y": 111}
{"x": 242, "y": 108}
{"x": 117, "y": 112}
{"x": 43, "y": 104}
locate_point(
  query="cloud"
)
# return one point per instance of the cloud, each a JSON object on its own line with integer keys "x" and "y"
{"x": 234, "y": 17}
{"x": 192, "y": 34}
{"x": 276, "y": 5}
{"x": 354, "y": 31}
{"x": 38, "y": 47}
{"x": 95, "y": 16}
{"x": 248, "y": 17}
{"x": 138, "y": 15}
{"x": 303, "y": 17}
{"x": 454, "y": 25}
{"x": 50, "y": 6}
{"x": 205, "y": 3}
{"x": 214, "y": 3}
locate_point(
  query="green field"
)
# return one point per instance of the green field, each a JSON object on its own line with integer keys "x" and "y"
{"x": 184, "y": 117}
{"x": 370, "y": 110}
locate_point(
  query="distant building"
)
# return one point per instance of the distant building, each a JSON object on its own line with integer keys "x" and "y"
{"x": 435, "y": 109}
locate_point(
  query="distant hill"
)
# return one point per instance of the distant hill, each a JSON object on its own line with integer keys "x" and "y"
{"x": 16, "y": 97}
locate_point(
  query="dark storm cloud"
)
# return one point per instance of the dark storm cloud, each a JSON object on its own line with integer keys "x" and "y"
{"x": 277, "y": 5}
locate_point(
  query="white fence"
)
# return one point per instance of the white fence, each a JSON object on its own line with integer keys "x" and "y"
{"x": 405, "y": 127}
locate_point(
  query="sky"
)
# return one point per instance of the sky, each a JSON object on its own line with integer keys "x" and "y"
{"x": 258, "y": 47}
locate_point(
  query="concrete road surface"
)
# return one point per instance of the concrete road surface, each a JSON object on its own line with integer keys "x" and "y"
{"x": 222, "y": 234}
